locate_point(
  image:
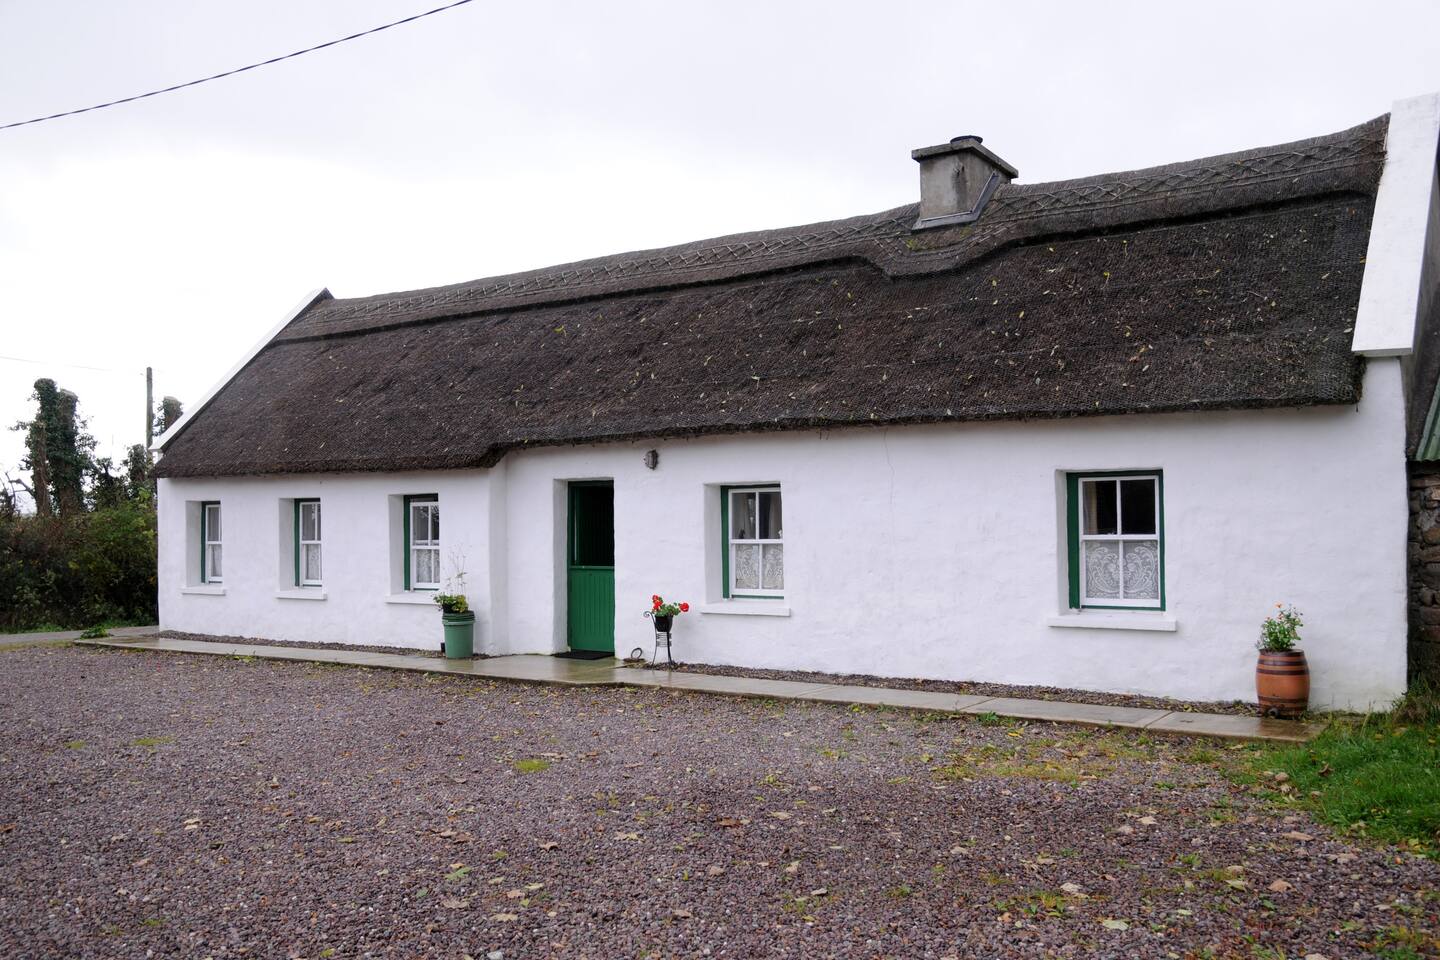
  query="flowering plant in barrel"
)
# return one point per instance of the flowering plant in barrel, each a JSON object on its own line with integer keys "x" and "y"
{"x": 1282, "y": 675}
{"x": 1281, "y": 630}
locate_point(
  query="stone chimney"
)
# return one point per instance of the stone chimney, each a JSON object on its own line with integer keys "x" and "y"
{"x": 957, "y": 179}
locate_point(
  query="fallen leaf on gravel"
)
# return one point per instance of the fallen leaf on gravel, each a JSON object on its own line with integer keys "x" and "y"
{"x": 549, "y": 845}
{"x": 1316, "y": 956}
{"x": 684, "y": 914}
{"x": 732, "y": 821}
{"x": 1297, "y": 835}
{"x": 1126, "y": 828}
{"x": 1345, "y": 857}
{"x": 347, "y": 840}
{"x": 192, "y": 824}
{"x": 514, "y": 894}
{"x": 454, "y": 903}
{"x": 819, "y": 892}
{"x": 1280, "y": 886}
{"x": 781, "y": 814}
{"x": 1073, "y": 889}
{"x": 1237, "y": 883}
{"x": 1115, "y": 924}
{"x": 138, "y": 863}
{"x": 627, "y": 836}
{"x": 458, "y": 873}
{"x": 715, "y": 871}
{"x": 794, "y": 867}
{"x": 6, "y": 827}
{"x": 504, "y": 917}
{"x": 1147, "y": 821}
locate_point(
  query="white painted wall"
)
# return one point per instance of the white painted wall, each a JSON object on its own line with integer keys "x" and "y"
{"x": 358, "y": 606}
{"x": 920, "y": 551}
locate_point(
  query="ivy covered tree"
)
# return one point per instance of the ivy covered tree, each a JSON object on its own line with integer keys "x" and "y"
{"x": 59, "y": 451}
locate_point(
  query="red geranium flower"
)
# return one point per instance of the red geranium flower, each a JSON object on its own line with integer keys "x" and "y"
{"x": 684, "y": 608}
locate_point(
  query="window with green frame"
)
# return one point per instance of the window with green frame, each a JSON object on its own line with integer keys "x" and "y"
{"x": 1116, "y": 533}
{"x": 307, "y": 543}
{"x": 422, "y": 542}
{"x": 752, "y": 537}
{"x": 212, "y": 567}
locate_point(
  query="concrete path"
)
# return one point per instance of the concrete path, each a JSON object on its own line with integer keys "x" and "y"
{"x": 543, "y": 669}
{"x": 7, "y": 639}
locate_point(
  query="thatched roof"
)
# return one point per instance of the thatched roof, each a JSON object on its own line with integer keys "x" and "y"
{"x": 1223, "y": 283}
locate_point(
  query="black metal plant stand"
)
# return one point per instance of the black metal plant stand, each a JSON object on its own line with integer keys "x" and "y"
{"x": 662, "y": 627}
{"x": 662, "y": 639}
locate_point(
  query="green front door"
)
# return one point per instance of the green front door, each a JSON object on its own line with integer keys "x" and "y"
{"x": 590, "y": 566}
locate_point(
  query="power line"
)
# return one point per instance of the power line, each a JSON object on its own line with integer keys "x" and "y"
{"x": 74, "y": 366}
{"x": 231, "y": 73}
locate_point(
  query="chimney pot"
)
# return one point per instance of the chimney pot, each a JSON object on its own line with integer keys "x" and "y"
{"x": 957, "y": 180}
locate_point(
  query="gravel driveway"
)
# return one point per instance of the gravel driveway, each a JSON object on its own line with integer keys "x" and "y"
{"x": 166, "y": 805}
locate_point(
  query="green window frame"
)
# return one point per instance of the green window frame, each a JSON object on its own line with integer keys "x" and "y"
{"x": 208, "y": 567}
{"x": 729, "y": 544}
{"x": 307, "y": 547}
{"x": 429, "y": 543}
{"x": 1147, "y": 541}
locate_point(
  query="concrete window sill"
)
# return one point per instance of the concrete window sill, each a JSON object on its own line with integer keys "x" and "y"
{"x": 1153, "y": 621}
{"x": 417, "y": 599}
{"x": 204, "y": 590}
{"x": 310, "y": 594}
{"x": 747, "y": 608}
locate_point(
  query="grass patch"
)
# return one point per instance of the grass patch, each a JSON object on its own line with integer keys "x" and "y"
{"x": 1378, "y": 776}
{"x": 74, "y": 744}
{"x": 534, "y": 765}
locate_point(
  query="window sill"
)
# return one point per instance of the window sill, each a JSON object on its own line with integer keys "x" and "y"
{"x": 419, "y": 599}
{"x": 204, "y": 590}
{"x": 748, "y": 608}
{"x": 309, "y": 593}
{"x": 1154, "y": 621}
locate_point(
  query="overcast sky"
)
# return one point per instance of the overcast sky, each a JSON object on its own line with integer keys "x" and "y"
{"x": 495, "y": 137}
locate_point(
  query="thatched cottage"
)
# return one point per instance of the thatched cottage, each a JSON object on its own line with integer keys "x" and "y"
{"x": 1084, "y": 433}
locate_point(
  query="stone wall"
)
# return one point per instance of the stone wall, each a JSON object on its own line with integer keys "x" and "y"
{"x": 1425, "y": 570}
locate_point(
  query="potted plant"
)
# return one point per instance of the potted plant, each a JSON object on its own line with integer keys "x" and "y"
{"x": 663, "y": 613}
{"x": 456, "y": 617}
{"x": 1282, "y": 676}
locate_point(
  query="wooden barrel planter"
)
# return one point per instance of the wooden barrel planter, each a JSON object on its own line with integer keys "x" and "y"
{"x": 1282, "y": 683}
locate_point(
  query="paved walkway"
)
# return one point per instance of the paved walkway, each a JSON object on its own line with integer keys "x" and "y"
{"x": 541, "y": 669}
{"x": 8, "y": 639}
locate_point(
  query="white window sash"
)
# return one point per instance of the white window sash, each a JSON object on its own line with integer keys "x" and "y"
{"x": 213, "y": 545}
{"x": 423, "y": 511}
{"x": 735, "y": 542}
{"x": 1117, "y": 538}
{"x": 307, "y": 544}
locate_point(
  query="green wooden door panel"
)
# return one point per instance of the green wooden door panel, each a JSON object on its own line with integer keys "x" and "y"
{"x": 592, "y": 608}
{"x": 590, "y": 567}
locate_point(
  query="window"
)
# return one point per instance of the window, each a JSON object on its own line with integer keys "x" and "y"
{"x": 212, "y": 567}
{"x": 307, "y": 543}
{"x": 422, "y": 542}
{"x": 1117, "y": 540}
{"x": 754, "y": 549}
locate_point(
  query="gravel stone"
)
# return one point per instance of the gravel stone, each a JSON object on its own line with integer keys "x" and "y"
{"x": 163, "y": 805}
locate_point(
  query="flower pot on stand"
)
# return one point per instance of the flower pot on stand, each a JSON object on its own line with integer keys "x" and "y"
{"x": 1282, "y": 683}
{"x": 459, "y": 634}
{"x": 663, "y": 624}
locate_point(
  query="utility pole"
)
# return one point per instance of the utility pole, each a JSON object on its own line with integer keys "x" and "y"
{"x": 149, "y": 407}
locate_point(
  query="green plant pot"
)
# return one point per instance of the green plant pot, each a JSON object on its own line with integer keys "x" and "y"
{"x": 459, "y": 635}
